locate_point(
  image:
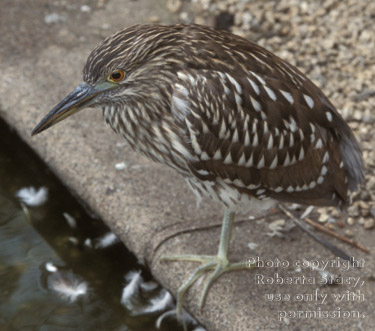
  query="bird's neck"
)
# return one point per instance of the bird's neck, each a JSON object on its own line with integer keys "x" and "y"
{"x": 145, "y": 131}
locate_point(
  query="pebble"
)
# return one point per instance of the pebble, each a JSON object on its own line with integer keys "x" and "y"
{"x": 174, "y": 6}
{"x": 154, "y": 19}
{"x": 121, "y": 166}
{"x": 350, "y": 220}
{"x": 330, "y": 226}
{"x": 323, "y": 218}
{"x": 184, "y": 16}
{"x": 54, "y": 18}
{"x": 353, "y": 210}
{"x": 363, "y": 205}
{"x": 349, "y": 233}
{"x": 335, "y": 212}
{"x": 369, "y": 223}
{"x": 85, "y": 9}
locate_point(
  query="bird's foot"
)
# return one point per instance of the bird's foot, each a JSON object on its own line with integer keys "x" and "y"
{"x": 219, "y": 265}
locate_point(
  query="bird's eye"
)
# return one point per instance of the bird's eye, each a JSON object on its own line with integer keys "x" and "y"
{"x": 117, "y": 76}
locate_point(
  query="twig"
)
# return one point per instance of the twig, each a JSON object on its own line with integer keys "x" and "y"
{"x": 336, "y": 235}
{"x": 325, "y": 230}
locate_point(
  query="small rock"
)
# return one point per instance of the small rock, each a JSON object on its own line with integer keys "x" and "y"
{"x": 174, "y": 6}
{"x": 276, "y": 227}
{"x": 121, "y": 166}
{"x": 184, "y": 16}
{"x": 154, "y": 19}
{"x": 85, "y": 9}
{"x": 330, "y": 226}
{"x": 369, "y": 224}
{"x": 365, "y": 196}
{"x": 54, "y": 18}
{"x": 199, "y": 20}
{"x": 350, "y": 221}
{"x": 353, "y": 211}
{"x": 349, "y": 233}
{"x": 365, "y": 212}
{"x": 335, "y": 213}
{"x": 323, "y": 218}
{"x": 363, "y": 205}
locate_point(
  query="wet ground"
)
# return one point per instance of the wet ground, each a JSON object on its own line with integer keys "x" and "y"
{"x": 60, "y": 268}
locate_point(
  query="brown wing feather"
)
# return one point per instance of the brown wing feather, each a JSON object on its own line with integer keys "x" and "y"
{"x": 261, "y": 142}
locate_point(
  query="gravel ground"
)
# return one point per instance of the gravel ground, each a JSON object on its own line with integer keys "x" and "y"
{"x": 333, "y": 42}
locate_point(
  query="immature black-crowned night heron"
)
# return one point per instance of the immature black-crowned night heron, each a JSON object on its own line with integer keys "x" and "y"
{"x": 239, "y": 124}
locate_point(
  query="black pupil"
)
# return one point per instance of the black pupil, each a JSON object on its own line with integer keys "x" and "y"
{"x": 116, "y": 75}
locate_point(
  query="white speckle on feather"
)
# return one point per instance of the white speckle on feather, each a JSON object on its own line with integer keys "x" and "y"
{"x": 309, "y": 101}
{"x": 287, "y": 96}
{"x": 324, "y": 170}
{"x": 33, "y": 197}
{"x": 255, "y": 104}
{"x": 270, "y": 93}
{"x": 319, "y": 144}
{"x": 107, "y": 240}
{"x": 329, "y": 116}
{"x": 325, "y": 157}
{"x": 254, "y": 86}
{"x": 260, "y": 79}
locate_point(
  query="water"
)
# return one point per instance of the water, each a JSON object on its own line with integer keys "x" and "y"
{"x": 62, "y": 269}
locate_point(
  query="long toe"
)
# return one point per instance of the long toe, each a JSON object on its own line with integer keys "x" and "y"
{"x": 215, "y": 264}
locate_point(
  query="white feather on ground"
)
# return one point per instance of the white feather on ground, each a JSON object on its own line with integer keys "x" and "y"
{"x": 71, "y": 220}
{"x": 149, "y": 286}
{"x": 107, "y": 240}
{"x": 33, "y": 197}
{"x": 67, "y": 285}
{"x": 159, "y": 303}
{"x": 134, "y": 280}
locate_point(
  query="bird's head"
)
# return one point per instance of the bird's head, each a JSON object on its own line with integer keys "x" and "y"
{"x": 126, "y": 65}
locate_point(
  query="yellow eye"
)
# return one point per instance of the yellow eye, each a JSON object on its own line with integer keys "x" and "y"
{"x": 117, "y": 76}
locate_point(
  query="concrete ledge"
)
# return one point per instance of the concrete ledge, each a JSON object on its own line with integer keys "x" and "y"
{"x": 147, "y": 205}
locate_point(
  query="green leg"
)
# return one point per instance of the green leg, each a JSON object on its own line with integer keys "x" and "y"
{"x": 218, "y": 263}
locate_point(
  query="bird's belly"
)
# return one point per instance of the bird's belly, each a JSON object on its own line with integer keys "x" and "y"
{"x": 229, "y": 196}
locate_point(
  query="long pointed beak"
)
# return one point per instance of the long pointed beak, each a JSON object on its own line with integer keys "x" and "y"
{"x": 82, "y": 96}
